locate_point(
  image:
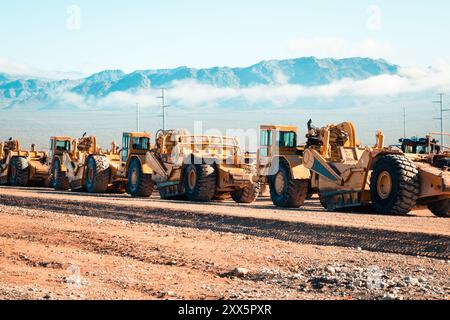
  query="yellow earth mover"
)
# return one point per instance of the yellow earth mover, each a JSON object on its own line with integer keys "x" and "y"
{"x": 129, "y": 170}
{"x": 201, "y": 168}
{"x": 22, "y": 168}
{"x": 78, "y": 164}
{"x": 350, "y": 175}
{"x": 280, "y": 164}
{"x": 433, "y": 165}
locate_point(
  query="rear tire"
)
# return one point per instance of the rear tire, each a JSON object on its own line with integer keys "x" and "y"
{"x": 247, "y": 195}
{"x": 394, "y": 185}
{"x": 59, "y": 181}
{"x": 200, "y": 182}
{"x": 285, "y": 191}
{"x": 174, "y": 192}
{"x": 139, "y": 184}
{"x": 97, "y": 174}
{"x": 19, "y": 172}
{"x": 440, "y": 208}
{"x": 442, "y": 163}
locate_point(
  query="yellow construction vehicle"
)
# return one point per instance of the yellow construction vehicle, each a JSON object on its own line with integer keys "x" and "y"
{"x": 128, "y": 166}
{"x": 79, "y": 164}
{"x": 350, "y": 175}
{"x": 280, "y": 165}
{"x": 202, "y": 168}
{"x": 22, "y": 168}
{"x": 432, "y": 162}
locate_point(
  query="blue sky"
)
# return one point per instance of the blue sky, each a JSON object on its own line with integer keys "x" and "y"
{"x": 142, "y": 34}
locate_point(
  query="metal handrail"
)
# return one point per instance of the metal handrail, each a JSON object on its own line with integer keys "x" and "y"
{"x": 437, "y": 134}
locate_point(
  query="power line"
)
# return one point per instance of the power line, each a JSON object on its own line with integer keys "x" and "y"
{"x": 441, "y": 118}
{"x": 404, "y": 122}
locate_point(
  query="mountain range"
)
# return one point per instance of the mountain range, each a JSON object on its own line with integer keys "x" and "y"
{"x": 308, "y": 71}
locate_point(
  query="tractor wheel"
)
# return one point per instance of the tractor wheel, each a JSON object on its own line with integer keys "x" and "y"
{"x": 248, "y": 194}
{"x": 59, "y": 179}
{"x": 139, "y": 184}
{"x": 98, "y": 174}
{"x": 394, "y": 185}
{"x": 200, "y": 182}
{"x": 442, "y": 163}
{"x": 285, "y": 191}
{"x": 19, "y": 172}
{"x": 174, "y": 192}
{"x": 440, "y": 208}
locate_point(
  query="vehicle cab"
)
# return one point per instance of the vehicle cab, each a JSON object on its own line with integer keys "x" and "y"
{"x": 134, "y": 143}
{"x": 277, "y": 141}
{"x": 59, "y": 145}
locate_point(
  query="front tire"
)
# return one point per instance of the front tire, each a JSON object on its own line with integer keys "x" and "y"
{"x": 19, "y": 172}
{"x": 440, "y": 208}
{"x": 139, "y": 184}
{"x": 394, "y": 185}
{"x": 285, "y": 191}
{"x": 200, "y": 182}
{"x": 98, "y": 174}
{"x": 59, "y": 181}
{"x": 247, "y": 195}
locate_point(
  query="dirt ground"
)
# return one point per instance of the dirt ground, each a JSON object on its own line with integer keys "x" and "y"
{"x": 62, "y": 245}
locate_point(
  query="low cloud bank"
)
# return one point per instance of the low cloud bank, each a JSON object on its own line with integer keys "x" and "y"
{"x": 191, "y": 94}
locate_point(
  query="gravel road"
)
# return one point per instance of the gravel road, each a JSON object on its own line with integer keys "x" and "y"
{"x": 62, "y": 245}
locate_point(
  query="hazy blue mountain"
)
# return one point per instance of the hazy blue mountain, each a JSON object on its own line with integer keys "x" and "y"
{"x": 133, "y": 81}
{"x": 4, "y": 77}
{"x": 98, "y": 84}
{"x": 307, "y": 71}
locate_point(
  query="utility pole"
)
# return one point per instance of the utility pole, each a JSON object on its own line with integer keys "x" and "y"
{"x": 404, "y": 123}
{"x": 442, "y": 110}
{"x": 137, "y": 117}
{"x": 163, "y": 106}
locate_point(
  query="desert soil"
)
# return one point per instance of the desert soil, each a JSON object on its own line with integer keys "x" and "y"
{"x": 63, "y": 245}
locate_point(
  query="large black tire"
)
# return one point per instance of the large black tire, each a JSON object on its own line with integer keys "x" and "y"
{"x": 174, "y": 192}
{"x": 139, "y": 184}
{"x": 442, "y": 163}
{"x": 98, "y": 174}
{"x": 440, "y": 208}
{"x": 19, "y": 172}
{"x": 248, "y": 194}
{"x": 394, "y": 185}
{"x": 291, "y": 193}
{"x": 200, "y": 182}
{"x": 59, "y": 181}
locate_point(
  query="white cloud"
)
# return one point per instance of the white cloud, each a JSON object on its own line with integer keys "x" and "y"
{"x": 409, "y": 80}
{"x": 191, "y": 94}
{"x": 15, "y": 68}
{"x": 339, "y": 48}
{"x": 19, "y": 69}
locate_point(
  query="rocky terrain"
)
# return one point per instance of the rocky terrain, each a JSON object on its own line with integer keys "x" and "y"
{"x": 78, "y": 246}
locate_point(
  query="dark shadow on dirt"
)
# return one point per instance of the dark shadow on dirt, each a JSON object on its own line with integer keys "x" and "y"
{"x": 261, "y": 203}
{"x": 417, "y": 244}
